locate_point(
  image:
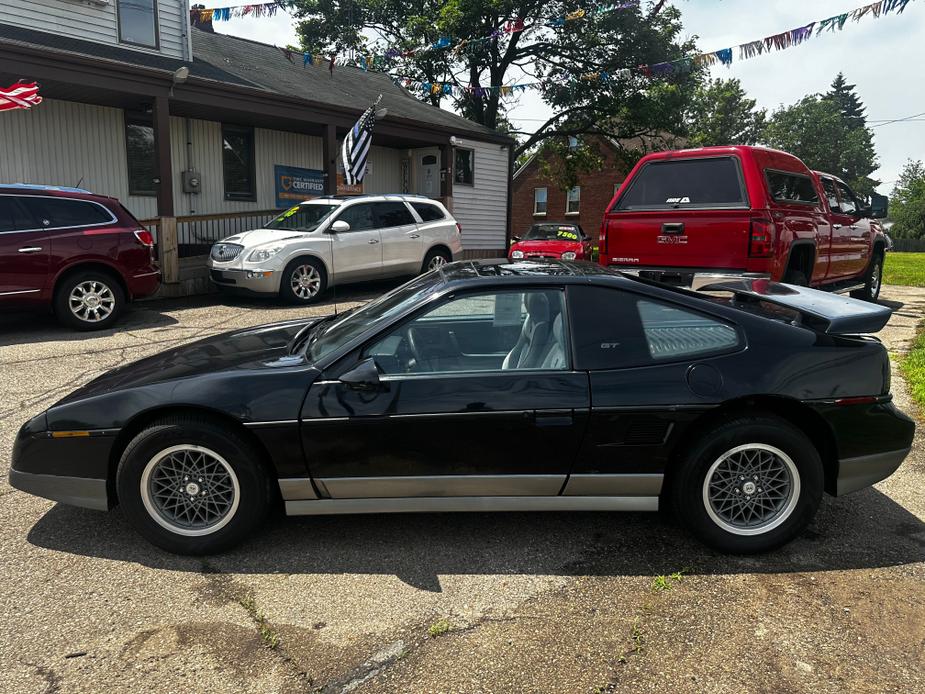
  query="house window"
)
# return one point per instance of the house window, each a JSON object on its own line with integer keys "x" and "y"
{"x": 464, "y": 168}
{"x": 138, "y": 22}
{"x": 572, "y": 142}
{"x": 238, "y": 163}
{"x": 539, "y": 201}
{"x": 574, "y": 200}
{"x": 140, "y": 153}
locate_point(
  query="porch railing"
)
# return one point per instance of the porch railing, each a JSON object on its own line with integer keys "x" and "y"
{"x": 197, "y": 232}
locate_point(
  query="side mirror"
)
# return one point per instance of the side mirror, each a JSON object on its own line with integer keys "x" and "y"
{"x": 339, "y": 227}
{"x": 879, "y": 206}
{"x": 364, "y": 376}
{"x": 515, "y": 239}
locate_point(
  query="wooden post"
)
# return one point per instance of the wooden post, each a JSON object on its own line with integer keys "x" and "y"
{"x": 329, "y": 153}
{"x": 168, "y": 251}
{"x": 446, "y": 175}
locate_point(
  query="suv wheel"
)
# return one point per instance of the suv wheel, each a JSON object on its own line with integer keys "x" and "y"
{"x": 873, "y": 279}
{"x": 303, "y": 281}
{"x": 89, "y": 300}
{"x": 750, "y": 485}
{"x": 434, "y": 259}
{"x": 192, "y": 486}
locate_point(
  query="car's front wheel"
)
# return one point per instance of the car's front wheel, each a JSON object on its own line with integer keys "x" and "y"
{"x": 192, "y": 486}
{"x": 750, "y": 485}
{"x": 303, "y": 281}
{"x": 88, "y": 300}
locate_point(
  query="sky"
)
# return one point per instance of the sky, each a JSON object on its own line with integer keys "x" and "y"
{"x": 883, "y": 57}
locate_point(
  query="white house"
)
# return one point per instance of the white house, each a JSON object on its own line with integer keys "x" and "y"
{"x": 202, "y": 134}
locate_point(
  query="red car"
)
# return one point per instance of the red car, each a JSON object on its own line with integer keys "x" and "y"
{"x": 552, "y": 240}
{"x": 85, "y": 255}
{"x": 694, "y": 217}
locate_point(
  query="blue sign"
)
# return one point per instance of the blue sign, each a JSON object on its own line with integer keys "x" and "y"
{"x": 294, "y": 184}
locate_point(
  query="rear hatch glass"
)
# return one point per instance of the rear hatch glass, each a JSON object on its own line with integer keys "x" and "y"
{"x": 681, "y": 213}
{"x": 685, "y": 183}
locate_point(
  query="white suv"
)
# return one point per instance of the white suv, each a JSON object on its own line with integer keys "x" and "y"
{"x": 337, "y": 240}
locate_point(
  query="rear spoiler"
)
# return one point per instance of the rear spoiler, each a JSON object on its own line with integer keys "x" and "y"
{"x": 821, "y": 311}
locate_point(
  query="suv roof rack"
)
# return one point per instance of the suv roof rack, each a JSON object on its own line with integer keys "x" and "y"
{"x": 39, "y": 186}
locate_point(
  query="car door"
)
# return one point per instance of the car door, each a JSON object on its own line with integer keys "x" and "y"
{"x": 402, "y": 245}
{"x": 843, "y": 254}
{"x": 858, "y": 230}
{"x": 650, "y": 371}
{"x": 357, "y": 253}
{"x": 476, "y": 397}
{"x": 24, "y": 252}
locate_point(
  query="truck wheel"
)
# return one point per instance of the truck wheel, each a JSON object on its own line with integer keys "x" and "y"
{"x": 873, "y": 278}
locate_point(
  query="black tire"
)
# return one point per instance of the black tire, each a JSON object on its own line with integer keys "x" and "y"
{"x": 434, "y": 258}
{"x": 101, "y": 287}
{"x": 873, "y": 279}
{"x": 700, "y": 507}
{"x": 145, "y": 465}
{"x": 287, "y": 287}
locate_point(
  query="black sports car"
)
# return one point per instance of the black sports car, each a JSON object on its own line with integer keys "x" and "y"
{"x": 492, "y": 386}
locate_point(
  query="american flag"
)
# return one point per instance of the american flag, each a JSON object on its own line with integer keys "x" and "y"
{"x": 356, "y": 146}
{"x": 19, "y": 95}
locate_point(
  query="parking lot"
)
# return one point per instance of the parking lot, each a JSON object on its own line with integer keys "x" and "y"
{"x": 442, "y": 603}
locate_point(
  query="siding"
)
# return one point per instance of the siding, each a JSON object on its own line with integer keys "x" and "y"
{"x": 482, "y": 207}
{"x": 85, "y": 19}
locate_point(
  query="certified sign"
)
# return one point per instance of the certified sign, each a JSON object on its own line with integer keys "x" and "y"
{"x": 294, "y": 184}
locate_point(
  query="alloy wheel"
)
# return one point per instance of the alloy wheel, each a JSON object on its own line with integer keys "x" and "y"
{"x": 305, "y": 281}
{"x": 435, "y": 262}
{"x": 751, "y": 489}
{"x": 91, "y": 301}
{"x": 190, "y": 490}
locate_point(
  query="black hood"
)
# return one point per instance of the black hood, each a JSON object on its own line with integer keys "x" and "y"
{"x": 264, "y": 346}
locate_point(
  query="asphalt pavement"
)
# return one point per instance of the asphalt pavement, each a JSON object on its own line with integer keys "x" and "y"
{"x": 442, "y": 603}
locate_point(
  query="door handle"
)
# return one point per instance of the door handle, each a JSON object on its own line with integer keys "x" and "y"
{"x": 414, "y": 236}
{"x": 373, "y": 241}
{"x": 553, "y": 418}
{"x": 853, "y": 226}
{"x": 836, "y": 226}
{"x": 30, "y": 249}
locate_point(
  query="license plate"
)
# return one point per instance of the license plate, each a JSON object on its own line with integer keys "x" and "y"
{"x": 672, "y": 240}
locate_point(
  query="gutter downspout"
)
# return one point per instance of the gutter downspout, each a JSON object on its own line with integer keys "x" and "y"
{"x": 510, "y": 198}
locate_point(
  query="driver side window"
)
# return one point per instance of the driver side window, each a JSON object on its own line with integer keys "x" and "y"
{"x": 495, "y": 331}
{"x": 849, "y": 204}
{"x": 359, "y": 217}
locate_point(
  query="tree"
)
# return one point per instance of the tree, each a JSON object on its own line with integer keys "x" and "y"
{"x": 815, "y": 129}
{"x": 576, "y": 63}
{"x": 907, "y": 202}
{"x": 720, "y": 113}
{"x": 843, "y": 94}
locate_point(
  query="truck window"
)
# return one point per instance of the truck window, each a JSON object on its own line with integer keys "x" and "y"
{"x": 685, "y": 183}
{"x": 849, "y": 203}
{"x": 828, "y": 185}
{"x": 791, "y": 187}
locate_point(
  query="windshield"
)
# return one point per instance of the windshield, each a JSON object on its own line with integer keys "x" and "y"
{"x": 302, "y": 217}
{"x": 336, "y": 334}
{"x": 553, "y": 232}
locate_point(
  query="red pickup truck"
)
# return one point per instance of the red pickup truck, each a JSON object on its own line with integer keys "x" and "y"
{"x": 694, "y": 217}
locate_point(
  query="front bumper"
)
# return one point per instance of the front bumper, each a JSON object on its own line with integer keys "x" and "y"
{"x": 255, "y": 281}
{"x": 689, "y": 277}
{"x": 76, "y": 491}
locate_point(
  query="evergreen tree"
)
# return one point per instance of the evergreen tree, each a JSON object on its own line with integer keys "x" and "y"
{"x": 849, "y": 103}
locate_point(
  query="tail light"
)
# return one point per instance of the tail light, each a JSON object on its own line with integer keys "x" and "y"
{"x": 459, "y": 228}
{"x": 761, "y": 238}
{"x": 602, "y": 244}
{"x": 144, "y": 237}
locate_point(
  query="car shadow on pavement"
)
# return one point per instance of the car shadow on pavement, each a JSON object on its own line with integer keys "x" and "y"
{"x": 864, "y": 530}
{"x": 42, "y": 326}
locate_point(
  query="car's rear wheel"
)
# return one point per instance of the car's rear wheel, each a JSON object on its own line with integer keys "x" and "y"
{"x": 89, "y": 300}
{"x": 434, "y": 259}
{"x": 873, "y": 279}
{"x": 303, "y": 281}
{"x": 749, "y": 485}
{"x": 192, "y": 486}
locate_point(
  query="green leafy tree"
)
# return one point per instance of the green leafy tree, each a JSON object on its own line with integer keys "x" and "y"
{"x": 576, "y": 63}
{"x": 815, "y": 129}
{"x": 907, "y": 202}
{"x": 720, "y": 113}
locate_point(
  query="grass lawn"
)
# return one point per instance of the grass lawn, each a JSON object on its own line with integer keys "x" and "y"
{"x": 904, "y": 268}
{"x": 913, "y": 368}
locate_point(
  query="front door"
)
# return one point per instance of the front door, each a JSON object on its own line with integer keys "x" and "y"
{"x": 844, "y": 256}
{"x": 402, "y": 245}
{"x": 858, "y": 228}
{"x": 24, "y": 252}
{"x": 477, "y": 398}
{"x": 429, "y": 175}
{"x": 357, "y": 254}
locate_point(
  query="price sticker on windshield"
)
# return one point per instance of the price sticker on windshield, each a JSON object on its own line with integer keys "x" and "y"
{"x": 288, "y": 213}
{"x": 567, "y": 233}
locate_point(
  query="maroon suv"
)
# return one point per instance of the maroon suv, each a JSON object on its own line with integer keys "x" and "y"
{"x": 83, "y": 254}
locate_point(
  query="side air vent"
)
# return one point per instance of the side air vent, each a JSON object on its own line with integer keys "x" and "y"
{"x": 646, "y": 431}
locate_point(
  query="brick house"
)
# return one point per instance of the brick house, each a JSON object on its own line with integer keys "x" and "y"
{"x": 536, "y": 198}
